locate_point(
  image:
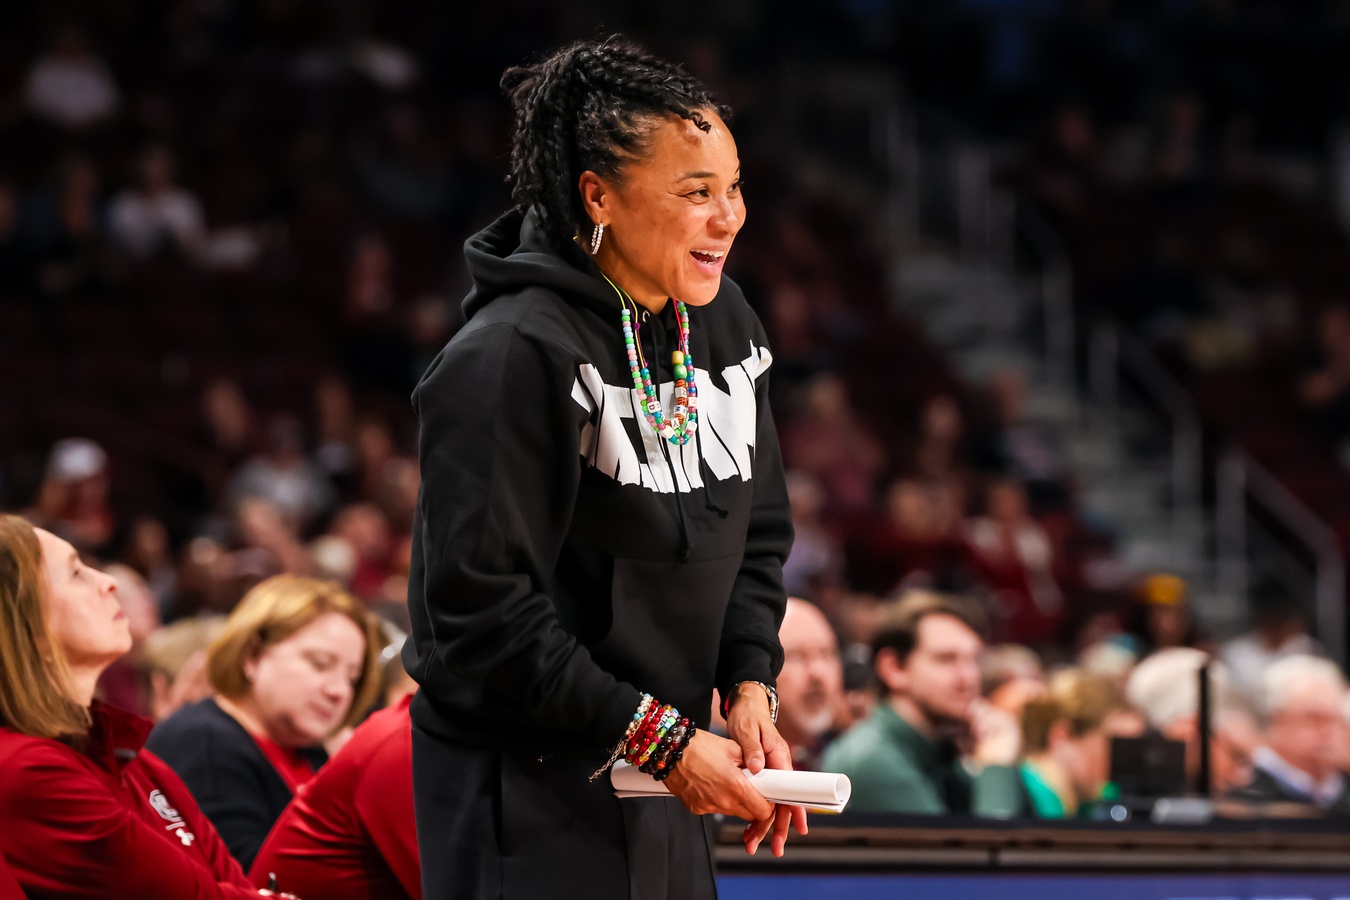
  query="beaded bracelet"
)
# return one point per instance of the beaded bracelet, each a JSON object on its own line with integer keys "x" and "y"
{"x": 654, "y": 741}
{"x": 676, "y": 754}
{"x": 644, "y": 709}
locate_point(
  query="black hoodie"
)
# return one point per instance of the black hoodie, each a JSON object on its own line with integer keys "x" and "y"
{"x": 566, "y": 559}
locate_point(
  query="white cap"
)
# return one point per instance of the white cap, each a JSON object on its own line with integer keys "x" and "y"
{"x": 72, "y": 459}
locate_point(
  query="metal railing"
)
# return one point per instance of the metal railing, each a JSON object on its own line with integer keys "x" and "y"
{"x": 1241, "y": 483}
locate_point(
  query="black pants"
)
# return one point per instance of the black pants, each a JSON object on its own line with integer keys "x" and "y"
{"x": 498, "y": 825}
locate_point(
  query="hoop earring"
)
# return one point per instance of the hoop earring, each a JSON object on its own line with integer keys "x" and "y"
{"x": 596, "y": 236}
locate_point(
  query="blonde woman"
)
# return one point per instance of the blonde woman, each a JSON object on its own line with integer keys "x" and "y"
{"x": 297, "y": 661}
{"x": 85, "y": 811}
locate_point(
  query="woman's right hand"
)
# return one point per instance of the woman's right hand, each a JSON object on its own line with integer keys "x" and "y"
{"x": 709, "y": 779}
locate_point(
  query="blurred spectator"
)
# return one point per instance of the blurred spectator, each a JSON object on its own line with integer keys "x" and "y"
{"x": 86, "y": 812}
{"x": 69, "y": 86}
{"x": 1280, "y": 632}
{"x": 269, "y": 543}
{"x": 1010, "y": 675}
{"x": 366, "y": 531}
{"x": 1025, "y": 449}
{"x": 911, "y": 547}
{"x": 811, "y": 684}
{"x": 68, "y": 259}
{"x": 1161, "y": 616}
{"x": 297, "y": 660}
{"x": 1014, "y": 557}
{"x": 1165, "y": 687}
{"x": 815, "y": 559}
{"x": 335, "y": 430}
{"x": 931, "y": 730}
{"x": 175, "y": 658}
{"x": 1301, "y": 702}
{"x": 227, "y": 422}
{"x": 148, "y": 552}
{"x": 72, "y": 502}
{"x": 349, "y": 834}
{"x": 1067, "y": 732}
{"x": 831, "y": 444}
{"x": 157, "y": 216}
{"x": 1326, "y": 387}
{"x": 285, "y": 476}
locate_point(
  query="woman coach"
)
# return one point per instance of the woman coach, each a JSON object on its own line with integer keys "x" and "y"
{"x": 603, "y": 517}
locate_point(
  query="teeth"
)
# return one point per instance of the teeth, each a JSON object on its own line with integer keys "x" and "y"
{"x": 715, "y": 254}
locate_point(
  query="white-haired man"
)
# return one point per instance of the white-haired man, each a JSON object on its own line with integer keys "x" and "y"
{"x": 811, "y": 685}
{"x": 1166, "y": 688}
{"x": 1301, "y": 699}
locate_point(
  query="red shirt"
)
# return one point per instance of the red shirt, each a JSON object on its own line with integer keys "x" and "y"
{"x": 290, "y": 764}
{"x": 111, "y": 821}
{"x": 350, "y": 834}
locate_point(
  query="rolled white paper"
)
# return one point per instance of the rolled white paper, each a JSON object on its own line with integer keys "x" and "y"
{"x": 824, "y": 791}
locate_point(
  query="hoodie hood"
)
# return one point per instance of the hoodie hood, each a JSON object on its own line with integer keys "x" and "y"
{"x": 512, "y": 254}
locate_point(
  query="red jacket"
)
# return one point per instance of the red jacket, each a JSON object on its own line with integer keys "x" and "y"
{"x": 111, "y": 821}
{"x": 349, "y": 834}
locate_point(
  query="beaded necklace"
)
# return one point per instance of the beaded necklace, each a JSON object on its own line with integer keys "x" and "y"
{"x": 683, "y": 421}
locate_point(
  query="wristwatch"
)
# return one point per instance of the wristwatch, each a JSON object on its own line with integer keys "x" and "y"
{"x": 771, "y": 691}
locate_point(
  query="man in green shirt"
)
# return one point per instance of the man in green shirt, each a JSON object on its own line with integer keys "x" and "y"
{"x": 932, "y": 745}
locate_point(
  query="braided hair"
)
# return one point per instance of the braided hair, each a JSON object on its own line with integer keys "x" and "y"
{"x": 590, "y": 106}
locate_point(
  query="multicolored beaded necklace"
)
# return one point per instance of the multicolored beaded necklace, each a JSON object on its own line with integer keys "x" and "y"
{"x": 683, "y": 421}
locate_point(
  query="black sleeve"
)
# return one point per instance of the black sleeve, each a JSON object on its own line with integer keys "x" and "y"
{"x": 229, "y": 777}
{"x": 750, "y": 650}
{"x": 501, "y": 466}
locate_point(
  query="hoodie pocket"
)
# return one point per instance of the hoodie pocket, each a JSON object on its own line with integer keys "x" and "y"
{"x": 667, "y": 626}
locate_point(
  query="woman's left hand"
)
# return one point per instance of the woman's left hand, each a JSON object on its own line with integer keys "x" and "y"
{"x": 749, "y": 724}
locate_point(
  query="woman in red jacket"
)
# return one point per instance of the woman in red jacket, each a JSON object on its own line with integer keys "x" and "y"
{"x": 84, "y": 811}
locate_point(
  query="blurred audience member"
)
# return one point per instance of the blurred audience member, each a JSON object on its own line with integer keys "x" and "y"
{"x": 1014, "y": 557}
{"x": 912, "y": 547}
{"x": 285, "y": 476}
{"x": 73, "y": 499}
{"x": 1165, "y": 687}
{"x": 815, "y": 559}
{"x": 1281, "y": 631}
{"x": 831, "y": 444}
{"x": 1067, "y": 732}
{"x": 811, "y": 684}
{"x": 263, "y": 532}
{"x": 69, "y": 86}
{"x": 175, "y": 658}
{"x": 931, "y": 730}
{"x": 335, "y": 429}
{"x": 86, "y": 811}
{"x": 297, "y": 661}
{"x": 350, "y": 834}
{"x": 1162, "y": 615}
{"x": 1025, "y": 449}
{"x": 1301, "y": 701}
{"x": 1325, "y": 390}
{"x": 148, "y": 552}
{"x": 68, "y": 261}
{"x": 227, "y": 423}
{"x": 157, "y": 216}
{"x": 1011, "y": 675}
{"x": 366, "y": 531}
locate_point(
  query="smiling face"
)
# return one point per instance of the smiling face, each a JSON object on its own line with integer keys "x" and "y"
{"x": 302, "y": 687}
{"x": 672, "y": 215}
{"x": 84, "y": 618}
